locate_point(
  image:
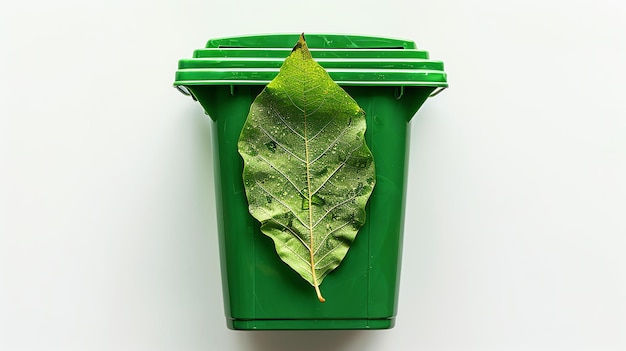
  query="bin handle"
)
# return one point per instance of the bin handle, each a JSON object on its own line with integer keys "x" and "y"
{"x": 183, "y": 89}
{"x": 400, "y": 91}
{"x": 437, "y": 91}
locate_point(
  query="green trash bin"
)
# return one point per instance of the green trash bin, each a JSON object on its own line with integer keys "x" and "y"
{"x": 390, "y": 79}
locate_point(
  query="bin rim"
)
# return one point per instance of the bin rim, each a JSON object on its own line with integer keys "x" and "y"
{"x": 385, "y": 62}
{"x": 351, "y": 77}
{"x": 314, "y": 41}
{"x": 368, "y": 53}
{"x": 244, "y": 64}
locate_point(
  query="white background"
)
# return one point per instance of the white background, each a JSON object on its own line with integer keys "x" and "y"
{"x": 515, "y": 230}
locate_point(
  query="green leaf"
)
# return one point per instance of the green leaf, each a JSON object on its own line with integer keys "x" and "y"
{"x": 307, "y": 170}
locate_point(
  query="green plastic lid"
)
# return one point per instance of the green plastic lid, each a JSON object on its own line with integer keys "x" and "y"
{"x": 323, "y": 41}
{"x": 349, "y": 60}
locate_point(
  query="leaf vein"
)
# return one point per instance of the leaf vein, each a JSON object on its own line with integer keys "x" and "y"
{"x": 284, "y": 121}
{"x": 319, "y": 247}
{"x": 321, "y": 129}
{"x": 333, "y": 208}
{"x": 286, "y": 227}
{"x": 330, "y": 145}
{"x": 320, "y": 105}
{"x": 293, "y": 184}
{"x": 326, "y": 255}
{"x": 280, "y": 144}
{"x": 293, "y": 103}
{"x": 337, "y": 169}
{"x": 306, "y": 261}
{"x": 284, "y": 204}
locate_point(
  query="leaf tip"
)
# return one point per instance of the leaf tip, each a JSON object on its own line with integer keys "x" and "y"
{"x": 301, "y": 43}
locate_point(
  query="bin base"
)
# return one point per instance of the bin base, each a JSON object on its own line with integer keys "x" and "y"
{"x": 309, "y": 324}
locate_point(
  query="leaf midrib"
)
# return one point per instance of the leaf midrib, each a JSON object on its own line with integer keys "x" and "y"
{"x": 308, "y": 184}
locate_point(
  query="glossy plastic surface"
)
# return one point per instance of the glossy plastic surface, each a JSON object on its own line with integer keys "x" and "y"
{"x": 260, "y": 291}
{"x": 315, "y": 52}
{"x": 350, "y": 61}
{"x": 334, "y": 41}
{"x": 390, "y": 79}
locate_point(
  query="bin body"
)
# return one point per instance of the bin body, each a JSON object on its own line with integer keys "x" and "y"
{"x": 260, "y": 291}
